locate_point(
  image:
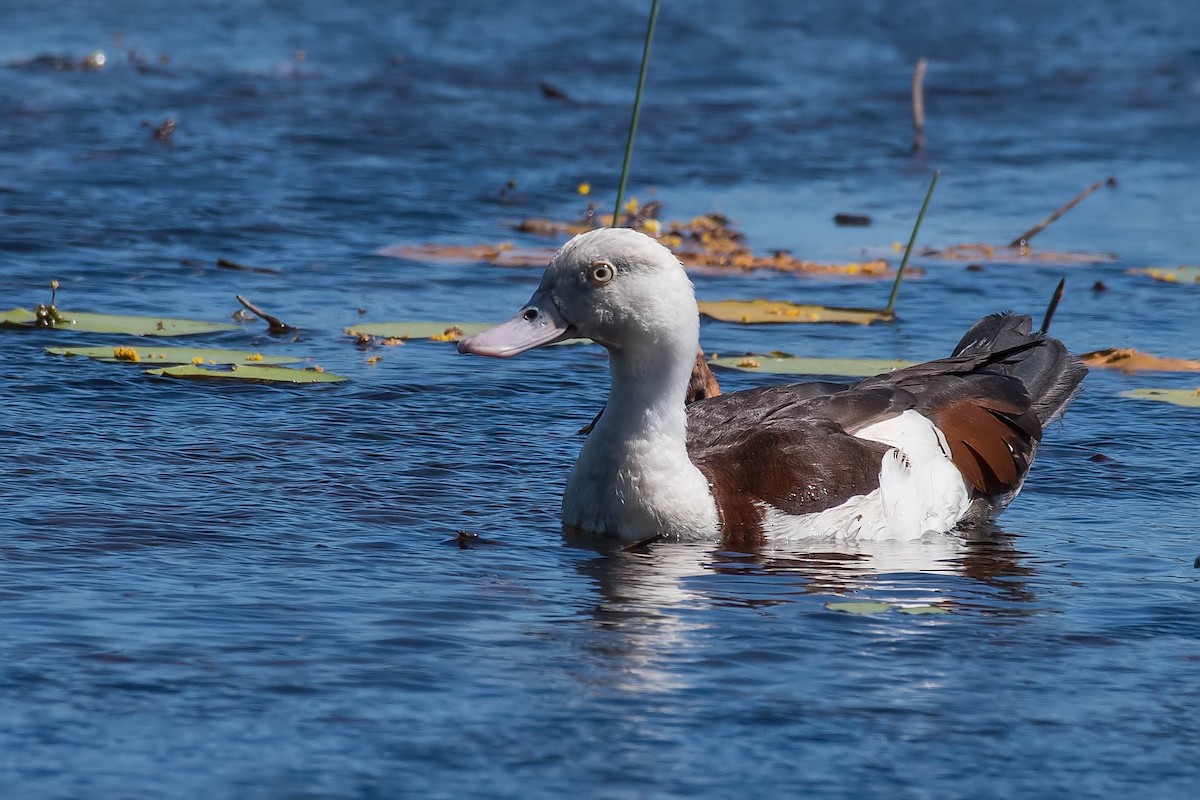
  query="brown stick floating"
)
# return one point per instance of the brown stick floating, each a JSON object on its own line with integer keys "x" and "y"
{"x": 225, "y": 263}
{"x": 1024, "y": 238}
{"x": 1054, "y": 301}
{"x": 277, "y": 325}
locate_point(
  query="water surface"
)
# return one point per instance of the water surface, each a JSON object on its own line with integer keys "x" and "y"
{"x": 255, "y": 592}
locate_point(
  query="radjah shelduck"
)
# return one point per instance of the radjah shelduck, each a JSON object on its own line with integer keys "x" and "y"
{"x": 919, "y": 450}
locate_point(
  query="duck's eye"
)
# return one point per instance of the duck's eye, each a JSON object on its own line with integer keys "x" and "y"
{"x": 601, "y": 272}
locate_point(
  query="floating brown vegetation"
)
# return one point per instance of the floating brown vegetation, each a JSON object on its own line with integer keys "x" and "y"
{"x": 709, "y": 242}
{"x": 977, "y": 252}
{"x": 1129, "y": 360}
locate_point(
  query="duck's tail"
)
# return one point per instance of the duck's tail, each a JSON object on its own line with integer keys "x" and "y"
{"x": 1050, "y": 374}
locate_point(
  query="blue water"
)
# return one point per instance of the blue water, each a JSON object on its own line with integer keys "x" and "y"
{"x": 212, "y": 591}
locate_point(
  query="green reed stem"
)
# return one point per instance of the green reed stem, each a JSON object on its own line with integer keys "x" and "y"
{"x": 637, "y": 110}
{"x": 912, "y": 240}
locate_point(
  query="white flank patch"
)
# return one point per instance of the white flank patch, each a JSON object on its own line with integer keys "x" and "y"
{"x": 920, "y": 491}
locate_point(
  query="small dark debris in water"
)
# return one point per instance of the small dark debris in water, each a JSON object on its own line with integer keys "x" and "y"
{"x": 1196, "y": 563}
{"x": 1100, "y": 458}
{"x": 508, "y": 194}
{"x": 165, "y": 132}
{"x": 1099, "y": 286}
{"x": 551, "y": 92}
{"x": 225, "y": 263}
{"x": 466, "y": 540}
{"x": 974, "y": 267}
{"x": 1112, "y": 181}
{"x": 362, "y": 312}
{"x": 851, "y": 220}
{"x": 364, "y": 341}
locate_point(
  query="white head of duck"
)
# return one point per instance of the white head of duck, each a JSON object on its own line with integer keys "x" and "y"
{"x": 615, "y": 286}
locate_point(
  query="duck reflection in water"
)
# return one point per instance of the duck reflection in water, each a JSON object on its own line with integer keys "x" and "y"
{"x": 656, "y": 601}
{"x": 658, "y": 575}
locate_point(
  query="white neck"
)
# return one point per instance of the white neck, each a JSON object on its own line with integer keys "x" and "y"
{"x": 634, "y": 478}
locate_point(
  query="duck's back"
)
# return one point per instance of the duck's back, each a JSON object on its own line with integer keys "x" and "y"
{"x": 951, "y": 439}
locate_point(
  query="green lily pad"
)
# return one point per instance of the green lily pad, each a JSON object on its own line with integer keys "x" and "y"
{"x": 17, "y": 316}
{"x": 752, "y": 312}
{"x": 859, "y": 607}
{"x": 239, "y": 372}
{"x": 434, "y": 331}
{"x": 172, "y": 355}
{"x": 438, "y": 331}
{"x": 783, "y": 364}
{"x": 1179, "y": 397}
{"x": 923, "y": 610}
{"x": 118, "y": 323}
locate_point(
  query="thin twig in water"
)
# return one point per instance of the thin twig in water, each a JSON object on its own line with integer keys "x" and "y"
{"x": 918, "y": 107}
{"x": 225, "y": 263}
{"x": 1024, "y": 238}
{"x": 276, "y": 325}
{"x": 633, "y": 119}
{"x": 912, "y": 240}
{"x": 1054, "y": 301}
{"x": 642, "y": 543}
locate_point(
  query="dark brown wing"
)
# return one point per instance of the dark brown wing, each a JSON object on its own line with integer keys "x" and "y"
{"x": 791, "y": 457}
